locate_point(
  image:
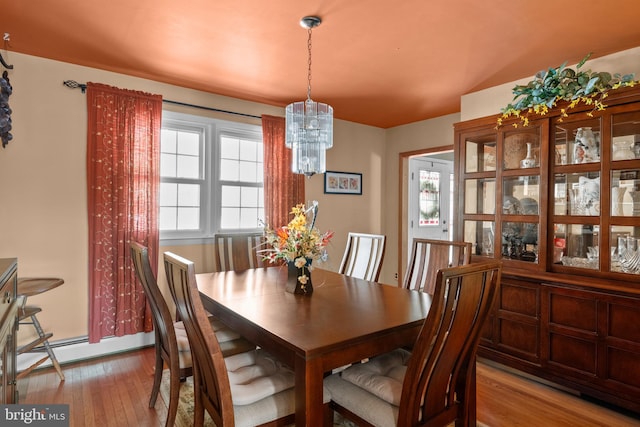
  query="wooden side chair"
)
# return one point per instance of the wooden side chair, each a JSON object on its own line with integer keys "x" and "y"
{"x": 248, "y": 389}
{"x": 363, "y": 256}
{"x": 428, "y": 256}
{"x": 172, "y": 345}
{"x": 434, "y": 385}
{"x": 171, "y": 342}
{"x": 237, "y": 252}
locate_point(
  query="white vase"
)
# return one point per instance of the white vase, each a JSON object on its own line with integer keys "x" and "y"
{"x": 617, "y": 195}
{"x": 529, "y": 161}
{"x": 585, "y": 149}
{"x": 622, "y": 150}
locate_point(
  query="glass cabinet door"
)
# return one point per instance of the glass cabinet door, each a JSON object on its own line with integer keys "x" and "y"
{"x": 624, "y": 235}
{"x": 576, "y": 191}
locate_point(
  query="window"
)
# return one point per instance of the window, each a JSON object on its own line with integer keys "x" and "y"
{"x": 211, "y": 177}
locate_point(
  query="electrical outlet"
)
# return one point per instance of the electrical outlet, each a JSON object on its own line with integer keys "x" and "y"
{"x": 395, "y": 276}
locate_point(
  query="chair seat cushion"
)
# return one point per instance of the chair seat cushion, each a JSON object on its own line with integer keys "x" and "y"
{"x": 256, "y": 375}
{"x": 261, "y": 388}
{"x": 362, "y": 403}
{"x": 382, "y": 375}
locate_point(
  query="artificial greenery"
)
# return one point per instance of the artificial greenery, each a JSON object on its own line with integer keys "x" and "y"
{"x": 563, "y": 84}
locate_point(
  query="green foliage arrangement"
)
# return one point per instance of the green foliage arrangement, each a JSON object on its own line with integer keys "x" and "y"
{"x": 563, "y": 84}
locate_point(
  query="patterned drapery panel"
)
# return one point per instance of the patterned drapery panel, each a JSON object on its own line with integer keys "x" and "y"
{"x": 123, "y": 149}
{"x": 282, "y": 188}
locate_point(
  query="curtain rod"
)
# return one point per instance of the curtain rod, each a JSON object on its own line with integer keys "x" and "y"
{"x": 83, "y": 87}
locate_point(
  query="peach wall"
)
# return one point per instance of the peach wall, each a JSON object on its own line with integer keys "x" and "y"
{"x": 422, "y": 135}
{"x": 43, "y": 189}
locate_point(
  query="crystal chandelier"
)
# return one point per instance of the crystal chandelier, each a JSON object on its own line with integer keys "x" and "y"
{"x": 309, "y": 124}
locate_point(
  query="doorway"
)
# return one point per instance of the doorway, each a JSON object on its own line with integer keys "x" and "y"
{"x": 430, "y": 197}
{"x": 411, "y": 162}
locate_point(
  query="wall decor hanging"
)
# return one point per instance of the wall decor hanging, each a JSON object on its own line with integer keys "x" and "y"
{"x": 5, "y": 92}
{"x": 342, "y": 183}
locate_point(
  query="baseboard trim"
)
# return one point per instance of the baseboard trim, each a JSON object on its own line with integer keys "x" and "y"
{"x": 78, "y": 349}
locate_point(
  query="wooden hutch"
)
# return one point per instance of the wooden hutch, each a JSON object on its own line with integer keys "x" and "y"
{"x": 558, "y": 201}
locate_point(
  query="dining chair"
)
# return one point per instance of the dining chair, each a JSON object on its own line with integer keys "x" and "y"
{"x": 428, "y": 256}
{"x": 237, "y": 252}
{"x": 363, "y": 256}
{"x": 434, "y": 385}
{"x": 248, "y": 389}
{"x": 171, "y": 343}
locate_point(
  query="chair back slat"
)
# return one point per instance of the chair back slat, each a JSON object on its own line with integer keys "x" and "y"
{"x": 237, "y": 252}
{"x": 437, "y": 384}
{"x": 211, "y": 382}
{"x": 428, "y": 256}
{"x": 363, "y": 256}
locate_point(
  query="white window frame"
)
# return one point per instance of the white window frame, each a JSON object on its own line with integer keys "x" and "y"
{"x": 210, "y": 204}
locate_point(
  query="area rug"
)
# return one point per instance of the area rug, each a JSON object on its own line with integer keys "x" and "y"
{"x": 184, "y": 418}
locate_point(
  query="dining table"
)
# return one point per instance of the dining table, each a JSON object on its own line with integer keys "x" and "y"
{"x": 345, "y": 320}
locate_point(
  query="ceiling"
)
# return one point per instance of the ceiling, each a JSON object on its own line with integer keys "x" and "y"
{"x": 377, "y": 62}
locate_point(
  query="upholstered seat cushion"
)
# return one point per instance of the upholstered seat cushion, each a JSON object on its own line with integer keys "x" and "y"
{"x": 262, "y": 388}
{"x": 372, "y": 389}
{"x": 382, "y": 375}
{"x": 254, "y": 375}
{"x": 362, "y": 403}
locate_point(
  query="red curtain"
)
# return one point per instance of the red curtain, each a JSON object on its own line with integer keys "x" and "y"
{"x": 282, "y": 188}
{"x": 123, "y": 149}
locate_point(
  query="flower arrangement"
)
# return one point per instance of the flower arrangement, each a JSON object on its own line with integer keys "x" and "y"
{"x": 563, "y": 84}
{"x": 297, "y": 242}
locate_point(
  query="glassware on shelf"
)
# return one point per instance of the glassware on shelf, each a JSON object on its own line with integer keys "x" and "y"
{"x": 623, "y": 149}
{"x": 587, "y": 198}
{"x": 629, "y": 254}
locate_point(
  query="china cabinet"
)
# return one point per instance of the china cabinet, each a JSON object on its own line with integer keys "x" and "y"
{"x": 558, "y": 202}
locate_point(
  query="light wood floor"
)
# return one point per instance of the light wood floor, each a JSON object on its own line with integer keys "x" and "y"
{"x": 114, "y": 391}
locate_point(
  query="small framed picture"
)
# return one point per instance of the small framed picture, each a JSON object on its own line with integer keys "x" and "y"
{"x": 342, "y": 183}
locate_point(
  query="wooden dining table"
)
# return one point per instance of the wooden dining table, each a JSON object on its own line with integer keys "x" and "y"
{"x": 344, "y": 321}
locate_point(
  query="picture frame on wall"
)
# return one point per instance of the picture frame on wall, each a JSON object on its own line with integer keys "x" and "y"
{"x": 342, "y": 183}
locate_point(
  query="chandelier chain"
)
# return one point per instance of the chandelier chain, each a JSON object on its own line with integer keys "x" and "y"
{"x": 309, "y": 64}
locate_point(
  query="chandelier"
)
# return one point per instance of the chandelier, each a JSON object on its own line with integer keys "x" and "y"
{"x": 309, "y": 124}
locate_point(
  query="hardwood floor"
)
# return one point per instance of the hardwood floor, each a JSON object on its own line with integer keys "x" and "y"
{"x": 114, "y": 391}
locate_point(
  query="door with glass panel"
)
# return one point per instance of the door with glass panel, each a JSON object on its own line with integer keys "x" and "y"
{"x": 430, "y": 187}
